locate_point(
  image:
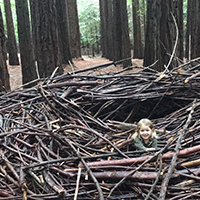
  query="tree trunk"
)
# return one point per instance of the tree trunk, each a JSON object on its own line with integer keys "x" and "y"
{"x": 144, "y": 18}
{"x": 137, "y": 37}
{"x": 106, "y": 15}
{"x": 152, "y": 36}
{"x": 25, "y": 42}
{"x": 168, "y": 32}
{"x": 4, "y": 76}
{"x": 74, "y": 32}
{"x": 104, "y": 25}
{"x": 34, "y": 19}
{"x": 117, "y": 32}
{"x": 63, "y": 31}
{"x": 110, "y": 31}
{"x": 178, "y": 13}
{"x": 121, "y": 34}
{"x": 47, "y": 37}
{"x": 11, "y": 42}
{"x": 195, "y": 29}
{"x": 188, "y": 30}
{"x": 161, "y": 38}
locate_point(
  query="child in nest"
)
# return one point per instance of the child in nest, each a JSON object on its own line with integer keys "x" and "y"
{"x": 145, "y": 137}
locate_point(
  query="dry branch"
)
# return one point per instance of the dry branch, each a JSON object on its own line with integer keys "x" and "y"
{"x": 47, "y": 130}
{"x": 141, "y": 159}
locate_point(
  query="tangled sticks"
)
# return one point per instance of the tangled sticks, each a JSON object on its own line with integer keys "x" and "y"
{"x": 52, "y": 133}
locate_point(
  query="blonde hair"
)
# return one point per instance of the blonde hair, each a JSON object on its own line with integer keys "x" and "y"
{"x": 145, "y": 122}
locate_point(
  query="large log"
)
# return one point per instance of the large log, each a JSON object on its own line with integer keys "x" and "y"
{"x": 139, "y": 175}
{"x": 141, "y": 159}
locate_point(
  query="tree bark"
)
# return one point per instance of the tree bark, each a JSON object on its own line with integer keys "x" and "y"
{"x": 152, "y": 36}
{"x": 4, "y": 76}
{"x": 161, "y": 34}
{"x": 63, "y": 31}
{"x": 34, "y": 18}
{"x": 141, "y": 159}
{"x": 25, "y": 42}
{"x": 178, "y": 13}
{"x": 137, "y": 37}
{"x": 139, "y": 175}
{"x": 74, "y": 31}
{"x": 168, "y": 32}
{"x": 104, "y": 27}
{"x": 195, "y": 29}
{"x": 11, "y": 42}
{"x": 109, "y": 28}
{"x": 121, "y": 34}
{"x": 188, "y": 30}
{"x": 49, "y": 57}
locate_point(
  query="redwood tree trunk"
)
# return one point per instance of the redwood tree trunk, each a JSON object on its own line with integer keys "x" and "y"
{"x": 110, "y": 51}
{"x": 121, "y": 34}
{"x": 195, "y": 29}
{"x": 188, "y": 30}
{"x": 152, "y": 36}
{"x": 178, "y": 12}
{"x": 25, "y": 42}
{"x": 34, "y": 19}
{"x": 49, "y": 57}
{"x": 161, "y": 34}
{"x": 168, "y": 32}
{"x": 4, "y": 76}
{"x": 106, "y": 15}
{"x": 74, "y": 31}
{"x": 63, "y": 31}
{"x": 137, "y": 37}
{"x": 11, "y": 43}
{"x": 104, "y": 24}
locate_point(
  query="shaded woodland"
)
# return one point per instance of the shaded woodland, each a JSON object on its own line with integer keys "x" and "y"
{"x": 68, "y": 136}
{"x": 156, "y": 31}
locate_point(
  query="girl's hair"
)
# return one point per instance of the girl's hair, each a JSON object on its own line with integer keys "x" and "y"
{"x": 145, "y": 122}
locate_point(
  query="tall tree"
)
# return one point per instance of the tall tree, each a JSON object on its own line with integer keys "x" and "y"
{"x": 74, "y": 31}
{"x": 167, "y": 33}
{"x": 103, "y": 16}
{"x": 163, "y": 40}
{"x": 34, "y": 27}
{"x": 4, "y": 76}
{"x": 11, "y": 42}
{"x": 178, "y": 13}
{"x": 121, "y": 33}
{"x": 106, "y": 19}
{"x": 49, "y": 57}
{"x": 137, "y": 36}
{"x": 63, "y": 31}
{"x": 170, "y": 30}
{"x": 152, "y": 47}
{"x": 25, "y": 42}
{"x": 197, "y": 39}
{"x": 109, "y": 31}
{"x": 194, "y": 29}
{"x": 188, "y": 30}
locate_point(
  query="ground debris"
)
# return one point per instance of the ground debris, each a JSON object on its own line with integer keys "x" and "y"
{"x": 52, "y": 133}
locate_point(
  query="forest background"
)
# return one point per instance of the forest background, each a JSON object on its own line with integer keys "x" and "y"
{"x": 91, "y": 15}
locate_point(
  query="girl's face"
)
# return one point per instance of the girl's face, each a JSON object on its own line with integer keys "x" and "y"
{"x": 145, "y": 132}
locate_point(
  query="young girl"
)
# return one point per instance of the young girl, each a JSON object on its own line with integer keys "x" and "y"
{"x": 145, "y": 137}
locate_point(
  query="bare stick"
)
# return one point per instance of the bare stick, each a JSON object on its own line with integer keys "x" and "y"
{"x": 176, "y": 42}
{"x": 77, "y": 183}
{"x": 173, "y": 161}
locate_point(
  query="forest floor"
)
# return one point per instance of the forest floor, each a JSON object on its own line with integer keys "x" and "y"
{"x": 85, "y": 62}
